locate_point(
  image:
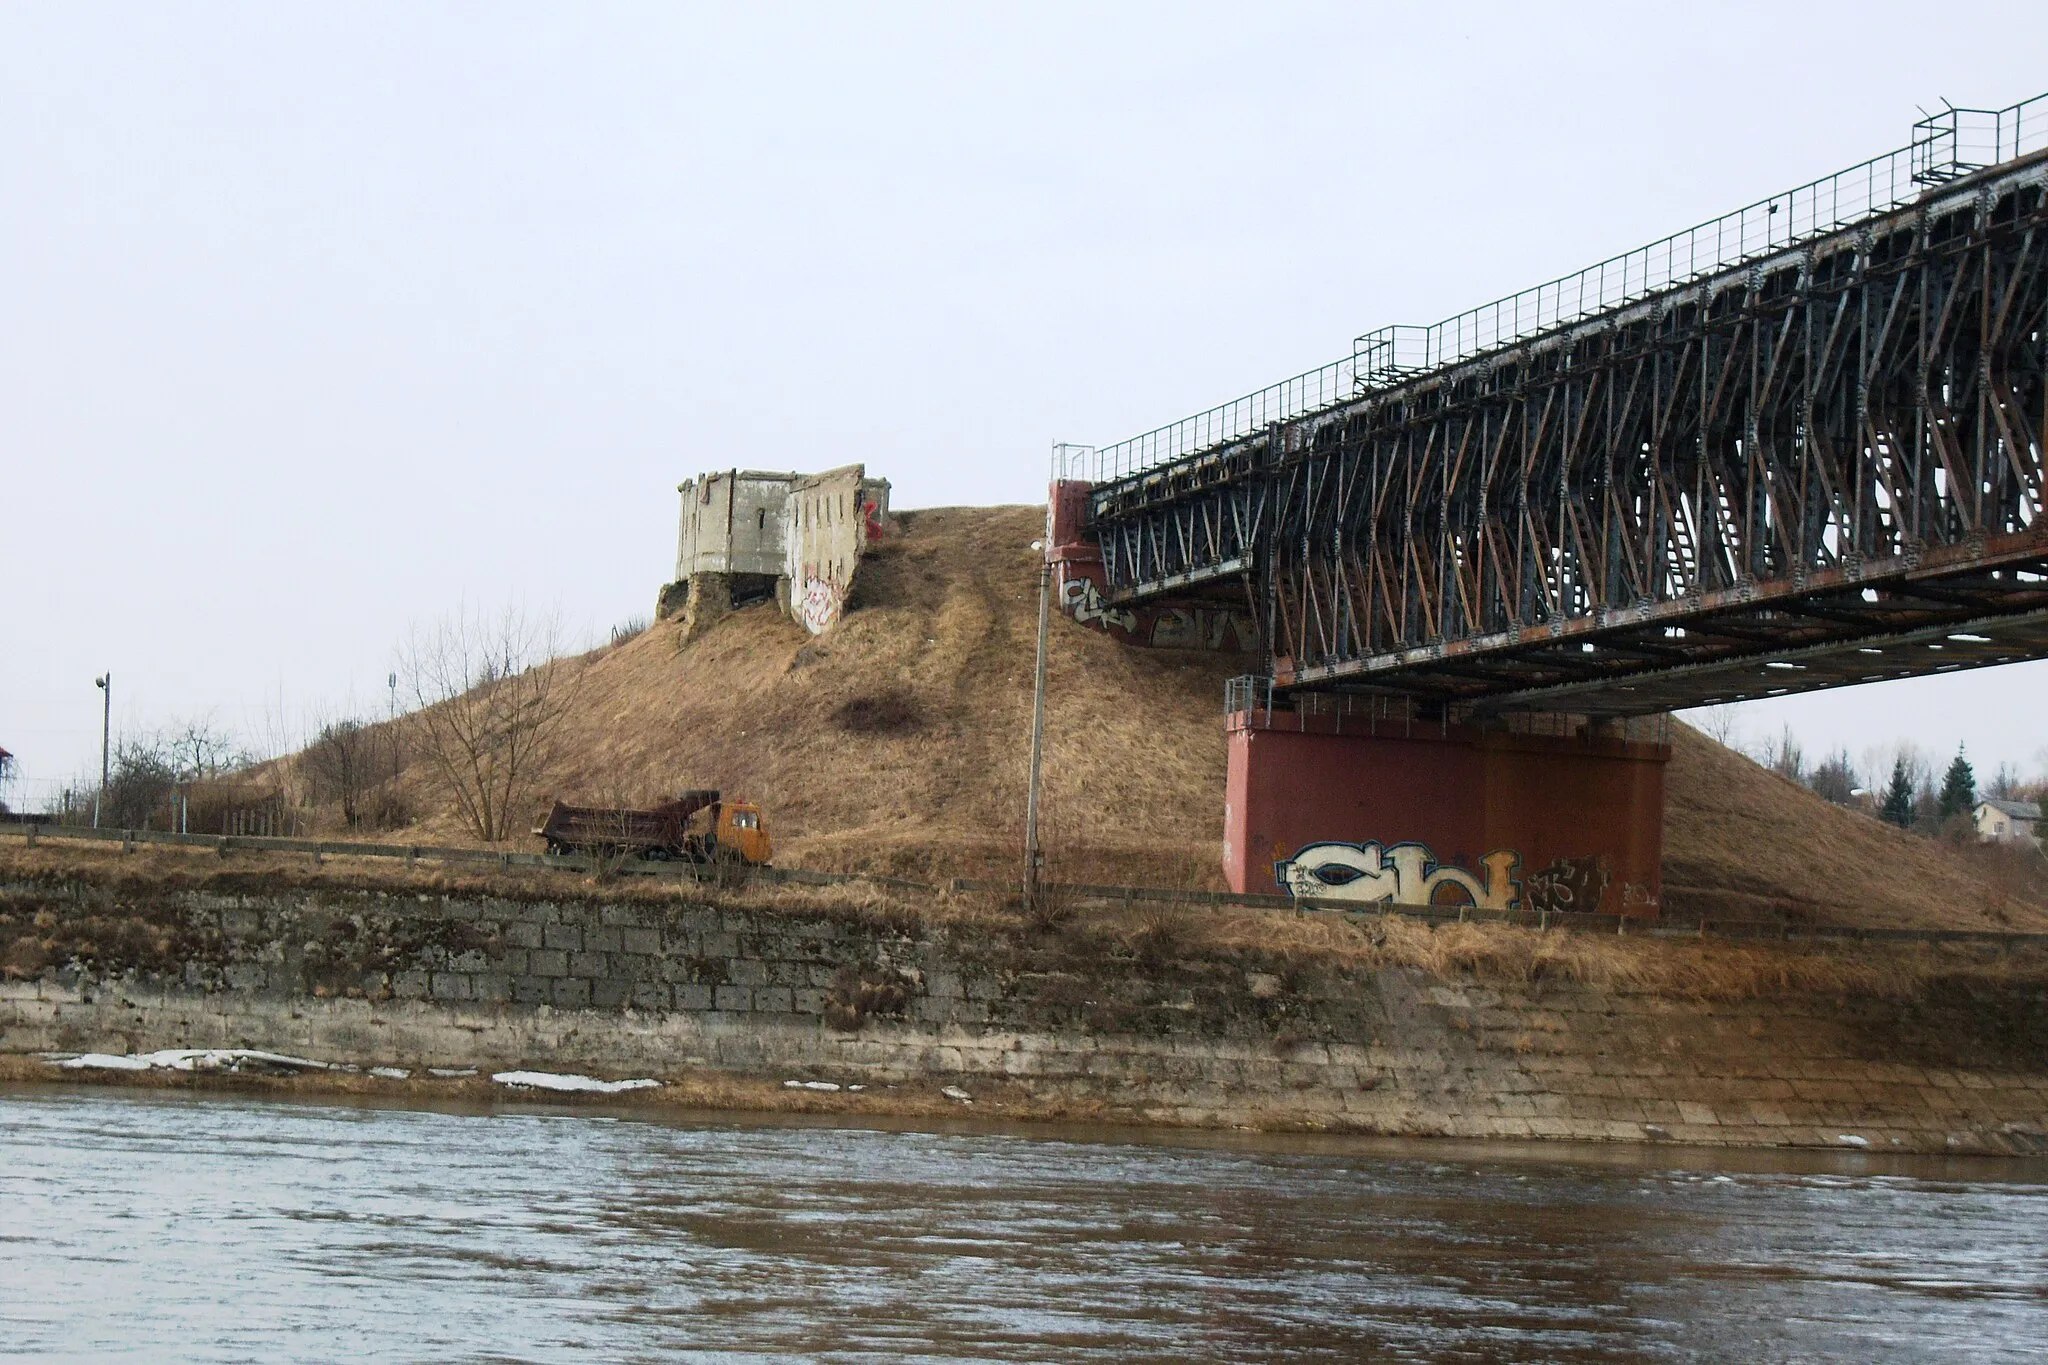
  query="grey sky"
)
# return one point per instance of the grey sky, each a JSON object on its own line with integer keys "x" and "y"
{"x": 318, "y": 321}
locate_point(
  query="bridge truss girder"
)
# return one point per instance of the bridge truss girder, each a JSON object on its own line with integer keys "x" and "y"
{"x": 1835, "y": 451}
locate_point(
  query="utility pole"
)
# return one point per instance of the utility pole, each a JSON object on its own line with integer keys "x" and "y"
{"x": 1034, "y": 857}
{"x": 106, "y": 686}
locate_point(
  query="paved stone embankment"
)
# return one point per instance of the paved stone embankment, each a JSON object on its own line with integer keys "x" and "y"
{"x": 666, "y": 989}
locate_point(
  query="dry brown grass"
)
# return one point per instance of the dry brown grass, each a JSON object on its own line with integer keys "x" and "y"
{"x": 1703, "y": 969}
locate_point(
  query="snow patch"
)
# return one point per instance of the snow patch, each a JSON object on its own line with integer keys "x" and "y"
{"x": 549, "y": 1080}
{"x": 1851, "y": 1140}
{"x": 451, "y": 1072}
{"x": 194, "y": 1059}
{"x": 954, "y": 1092}
{"x": 391, "y": 1073}
{"x": 811, "y": 1085}
{"x": 103, "y": 1061}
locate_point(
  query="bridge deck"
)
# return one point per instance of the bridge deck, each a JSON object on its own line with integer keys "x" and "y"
{"x": 1818, "y": 466}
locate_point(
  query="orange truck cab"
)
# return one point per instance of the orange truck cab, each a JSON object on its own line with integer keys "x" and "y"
{"x": 741, "y": 829}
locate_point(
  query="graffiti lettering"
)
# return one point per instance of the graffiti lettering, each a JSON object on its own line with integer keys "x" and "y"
{"x": 1085, "y": 605}
{"x": 1216, "y": 628}
{"x": 1568, "y": 884}
{"x": 1403, "y": 874}
{"x": 1184, "y": 628}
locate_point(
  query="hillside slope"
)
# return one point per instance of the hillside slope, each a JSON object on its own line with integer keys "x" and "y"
{"x": 1741, "y": 841}
{"x": 899, "y": 742}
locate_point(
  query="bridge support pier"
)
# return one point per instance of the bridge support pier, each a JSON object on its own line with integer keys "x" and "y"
{"x": 1558, "y": 814}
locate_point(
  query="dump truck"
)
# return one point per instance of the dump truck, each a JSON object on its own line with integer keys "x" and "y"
{"x": 698, "y": 826}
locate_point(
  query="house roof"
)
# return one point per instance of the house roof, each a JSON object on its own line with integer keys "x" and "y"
{"x": 2018, "y": 810}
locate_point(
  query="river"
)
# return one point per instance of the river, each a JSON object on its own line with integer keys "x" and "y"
{"x": 177, "y": 1227}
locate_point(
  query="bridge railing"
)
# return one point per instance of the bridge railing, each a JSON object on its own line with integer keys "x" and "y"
{"x": 1945, "y": 147}
{"x": 1318, "y": 388}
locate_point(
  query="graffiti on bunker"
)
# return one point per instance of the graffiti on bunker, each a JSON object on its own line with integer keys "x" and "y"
{"x": 1401, "y": 874}
{"x": 821, "y": 603}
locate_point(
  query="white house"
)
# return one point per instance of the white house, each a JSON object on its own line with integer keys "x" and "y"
{"x": 2007, "y": 822}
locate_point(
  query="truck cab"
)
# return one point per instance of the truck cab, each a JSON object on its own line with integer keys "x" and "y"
{"x": 741, "y": 829}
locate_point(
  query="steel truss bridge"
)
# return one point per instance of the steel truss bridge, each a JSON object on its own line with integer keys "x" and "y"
{"x": 1797, "y": 447}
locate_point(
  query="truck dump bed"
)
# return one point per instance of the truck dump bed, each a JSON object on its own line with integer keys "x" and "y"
{"x": 661, "y": 832}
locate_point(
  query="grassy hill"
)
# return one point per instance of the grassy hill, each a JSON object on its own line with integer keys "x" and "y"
{"x": 898, "y": 742}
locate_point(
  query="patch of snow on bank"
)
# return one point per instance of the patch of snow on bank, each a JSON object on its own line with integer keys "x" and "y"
{"x": 193, "y": 1059}
{"x": 103, "y": 1061}
{"x": 549, "y": 1080}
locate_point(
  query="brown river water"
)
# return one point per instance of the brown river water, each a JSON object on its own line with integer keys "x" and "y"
{"x": 169, "y": 1227}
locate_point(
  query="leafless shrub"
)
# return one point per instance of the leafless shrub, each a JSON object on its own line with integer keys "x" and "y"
{"x": 140, "y": 785}
{"x": 1160, "y": 934}
{"x": 491, "y": 695}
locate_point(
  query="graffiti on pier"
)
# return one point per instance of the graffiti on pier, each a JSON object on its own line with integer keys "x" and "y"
{"x": 1203, "y": 628}
{"x": 1401, "y": 874}
{"x": 1084, "y": 603}
{"x": 1211, "y": 628}
{"x": 1568, "y": 884}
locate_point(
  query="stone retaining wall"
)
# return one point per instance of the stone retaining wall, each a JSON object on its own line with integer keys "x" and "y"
{"x": 664, "y": 989}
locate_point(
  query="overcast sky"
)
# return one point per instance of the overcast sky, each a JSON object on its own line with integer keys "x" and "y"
{"x": 318, "y": 321}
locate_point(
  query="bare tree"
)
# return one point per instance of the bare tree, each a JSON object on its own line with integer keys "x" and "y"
{"x": 1715, "y": 722}
{"x": 1784, "y": 756}
{"x": 1835, "y": 778}
{"x": 347, "y": 762}
{"x": 491, "y": 694}
{"x": 199, "y": 752}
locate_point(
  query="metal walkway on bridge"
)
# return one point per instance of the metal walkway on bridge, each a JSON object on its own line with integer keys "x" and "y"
{"x": 1797, "y": 447}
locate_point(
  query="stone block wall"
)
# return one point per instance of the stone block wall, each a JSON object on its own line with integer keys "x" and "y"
{"x": 663, "y": 989}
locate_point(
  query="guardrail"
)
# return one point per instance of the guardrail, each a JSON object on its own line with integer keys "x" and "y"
{"x": 1945, "y": 147}
{"x": 1559, "y": 921}
{"x": 411, "y": 854}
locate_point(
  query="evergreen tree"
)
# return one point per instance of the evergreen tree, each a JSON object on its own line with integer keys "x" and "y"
{"x": 1898, "y": 796}
{"x": 1958, "y": 787}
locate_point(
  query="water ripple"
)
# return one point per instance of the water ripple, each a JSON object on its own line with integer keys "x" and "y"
{"x": 229, "y": 1229}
